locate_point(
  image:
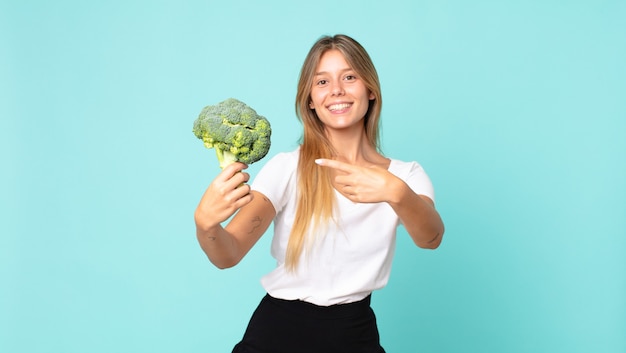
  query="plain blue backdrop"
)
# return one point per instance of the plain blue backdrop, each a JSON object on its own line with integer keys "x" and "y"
{"x": 516, "y": 109}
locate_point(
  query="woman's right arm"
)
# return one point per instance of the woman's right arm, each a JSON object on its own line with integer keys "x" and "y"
{"x": 227, "y": 194}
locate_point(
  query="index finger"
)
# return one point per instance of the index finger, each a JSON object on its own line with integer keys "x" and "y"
{"x": 331, "y": 163}
{"x": 233, "y": 169}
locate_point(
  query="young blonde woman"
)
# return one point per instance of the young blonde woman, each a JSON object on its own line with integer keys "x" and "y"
{"x": 336, "y": 203}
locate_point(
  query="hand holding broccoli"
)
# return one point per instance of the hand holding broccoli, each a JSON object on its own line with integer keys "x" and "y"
{"x": 235, "y": 131}
{"x": 226, "y": 194}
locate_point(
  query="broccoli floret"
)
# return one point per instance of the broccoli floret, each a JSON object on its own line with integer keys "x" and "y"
{"x": 235, "y": 131}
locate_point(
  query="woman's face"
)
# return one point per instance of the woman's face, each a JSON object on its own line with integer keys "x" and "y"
{"x": 338, "y": 96}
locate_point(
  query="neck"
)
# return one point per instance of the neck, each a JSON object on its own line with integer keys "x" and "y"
{"x": 352, "y": 146}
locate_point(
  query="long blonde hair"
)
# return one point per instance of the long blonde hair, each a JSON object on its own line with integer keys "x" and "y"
{"x": 315, "y": 197}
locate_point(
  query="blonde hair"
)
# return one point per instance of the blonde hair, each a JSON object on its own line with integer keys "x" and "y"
{"x": 315, "y": 196}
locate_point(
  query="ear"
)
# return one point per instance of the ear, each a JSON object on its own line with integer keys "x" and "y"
{"x": 372, "y": 97}
{"x": 311, "y": 105}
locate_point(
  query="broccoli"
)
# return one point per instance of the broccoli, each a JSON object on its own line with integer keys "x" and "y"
{"x": 235, "y": 131}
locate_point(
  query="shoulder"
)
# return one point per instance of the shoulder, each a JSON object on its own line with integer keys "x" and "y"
{"x": 287, "y": 157}
{"x": 283, "y": 161}
{"x": 404, "y": 169}
{"x": 276, "y": 178}
{"x": 414, "y": 175}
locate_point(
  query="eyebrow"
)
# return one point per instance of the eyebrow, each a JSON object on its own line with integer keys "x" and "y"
{"x": 326, "y": 73}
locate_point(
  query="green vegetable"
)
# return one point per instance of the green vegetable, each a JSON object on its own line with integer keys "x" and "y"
{"x": 235, "y": 131}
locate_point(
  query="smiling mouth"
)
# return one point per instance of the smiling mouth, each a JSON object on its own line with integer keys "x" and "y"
{"x": 339, "y": 107}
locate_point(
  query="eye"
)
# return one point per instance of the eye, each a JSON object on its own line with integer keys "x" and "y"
{"x": 350, "y": 78}
{"x": 321, "y": 82}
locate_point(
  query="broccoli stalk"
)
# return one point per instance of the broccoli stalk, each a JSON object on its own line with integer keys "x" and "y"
{"x": 225, "y": 158}
{"x": 235, "y": 131}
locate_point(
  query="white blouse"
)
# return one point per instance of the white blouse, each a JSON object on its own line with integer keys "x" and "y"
{"x": 348, "y": 259}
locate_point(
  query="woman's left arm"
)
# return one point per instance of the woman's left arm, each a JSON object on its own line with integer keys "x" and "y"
{"x": 375, "y": 184}
{"x": 417, "y": 213}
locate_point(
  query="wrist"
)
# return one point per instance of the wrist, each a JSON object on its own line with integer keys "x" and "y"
{"x": 203, "y": 224}
{"x": 396, "y": 191}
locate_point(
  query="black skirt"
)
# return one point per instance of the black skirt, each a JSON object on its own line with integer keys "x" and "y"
{"x": 293, "y": 326}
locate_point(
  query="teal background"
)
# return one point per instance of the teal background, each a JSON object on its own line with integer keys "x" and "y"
{"x": 516, "y": 109}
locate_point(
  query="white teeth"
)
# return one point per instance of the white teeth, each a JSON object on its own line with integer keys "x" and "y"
{"x": 338, "y": 106}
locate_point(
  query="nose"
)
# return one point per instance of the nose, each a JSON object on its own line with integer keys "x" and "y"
{"x": 337, "y": 89}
